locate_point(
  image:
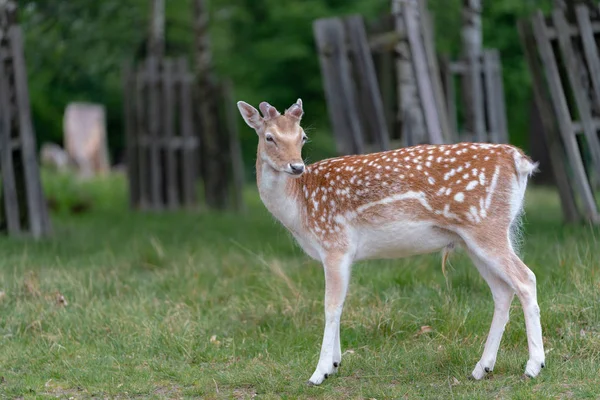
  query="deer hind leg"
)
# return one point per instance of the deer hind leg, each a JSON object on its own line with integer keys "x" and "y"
{"x": 508, "y": 274}
{"x": 503, "y": 295}
{"x": 525, "y": 284}
{"x": 337, "y": 278}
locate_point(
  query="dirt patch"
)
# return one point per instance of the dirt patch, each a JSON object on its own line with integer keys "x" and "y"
{"x": 57, "y": 390}
{"x": 247, "y": 392}
{"x": 168, "y": 392}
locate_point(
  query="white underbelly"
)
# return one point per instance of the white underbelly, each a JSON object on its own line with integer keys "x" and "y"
{"x": 400, "y": 239}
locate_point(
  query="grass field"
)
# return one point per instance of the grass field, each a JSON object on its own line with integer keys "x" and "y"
{"x": 221, "y": 306}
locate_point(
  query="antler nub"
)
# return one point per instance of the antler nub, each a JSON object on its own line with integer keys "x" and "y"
{"x": 268, "y": 110}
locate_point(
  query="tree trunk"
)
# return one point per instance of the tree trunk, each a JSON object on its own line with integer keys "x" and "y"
{"x": 213, "y": 149}
{"x": 471, "y": 30}
{"x": 156, "y": 39}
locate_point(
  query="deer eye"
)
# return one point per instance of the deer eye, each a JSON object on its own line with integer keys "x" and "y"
{"x": 304, "y": 139}
{"x": 269, "y": 138}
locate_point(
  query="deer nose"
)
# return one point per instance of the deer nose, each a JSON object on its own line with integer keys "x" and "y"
{"x": 297, "y": 168}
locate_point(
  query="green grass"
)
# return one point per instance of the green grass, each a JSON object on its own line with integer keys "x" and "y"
{"x": 216, "y": 305}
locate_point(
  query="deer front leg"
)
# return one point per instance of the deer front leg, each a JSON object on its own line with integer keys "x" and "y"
{"x": 337, "y": 350}
{"x": 337, "y": 277}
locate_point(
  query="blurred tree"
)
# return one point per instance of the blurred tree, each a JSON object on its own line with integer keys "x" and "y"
{"x": 156, "y": 37}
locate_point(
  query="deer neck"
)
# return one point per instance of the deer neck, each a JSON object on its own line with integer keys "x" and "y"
{"x": 280, "y": 193}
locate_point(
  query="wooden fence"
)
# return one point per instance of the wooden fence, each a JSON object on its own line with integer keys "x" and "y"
{"x": 162, "y": 148}
{"x": 353, "y": 98}
{"x": 417, "y": 29}
{"x": 481, "y": 99}
{"x": 24, "y": 208}
{"x": 362, "y": 119}
{"x": 564, "y": 63}
{"x": 382, "y": 41}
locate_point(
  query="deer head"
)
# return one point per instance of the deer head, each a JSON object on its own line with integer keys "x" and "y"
{"x": 280, "y": 137}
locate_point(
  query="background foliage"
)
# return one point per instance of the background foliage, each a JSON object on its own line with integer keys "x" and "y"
{"x": 75, "y": 50}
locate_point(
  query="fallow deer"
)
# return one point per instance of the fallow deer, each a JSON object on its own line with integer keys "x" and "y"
{"x": 399, "y": 203}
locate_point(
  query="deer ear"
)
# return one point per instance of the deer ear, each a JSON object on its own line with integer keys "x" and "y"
{"x": 268, "y": 110}
{"x": 250, "y": 115}
{"x": 295, "y": 111}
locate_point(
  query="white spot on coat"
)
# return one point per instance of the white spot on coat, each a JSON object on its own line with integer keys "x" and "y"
{"x": 472, "y": 185}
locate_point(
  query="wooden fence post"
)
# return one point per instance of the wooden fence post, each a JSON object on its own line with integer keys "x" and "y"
{"x": 581, "y": 98}
{"x": 589, "y": 47}
{"x": 24, "y": 207}
{"x": 37, "y": 211}
{"x": 561, "y": 110}
{"x": 9, "y": 186}
{"x": 168, "y": 100}
{"x": 337, "y": 81}
{"x": 472, "y": 86}
{"x": 141, "y": 134}
{"x": 491, "y": 97}
{"x": 409, "y": 111}
{"x": 427, "y": 34}
{"x": 384, "y": 60}
{"x": 491, "y": 93}
{"x": 549, "y": 123}
{"x": 368, "y": 90}
{"x": 154, "y": 130}
{"x": 190, "y": 150}
{"x": 420, "y": 70}
{"x": 500, "y": 99}
{"x": 450, "y": 93}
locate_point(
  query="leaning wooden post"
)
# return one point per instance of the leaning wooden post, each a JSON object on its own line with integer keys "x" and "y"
{"x": 338, "y": 84}
{"x": 409, "y": 110}
{"x": 472, "y": 43}
{"x": 550, "y": 126}
{"x": 213, "y": 173}
{"x": 431, "y": 114}
{"x": 550, "y": 66}
{"x": 428, "y": 34}
{"x": 22, "y": 195}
